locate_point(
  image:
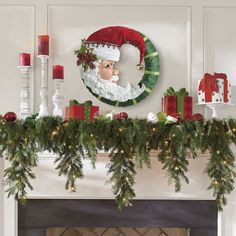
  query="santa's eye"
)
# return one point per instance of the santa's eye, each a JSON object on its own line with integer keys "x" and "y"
{"x": 109, "y": 65}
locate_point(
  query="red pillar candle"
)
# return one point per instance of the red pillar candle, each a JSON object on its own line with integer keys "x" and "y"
{"x": 58, "y": 72}
{"x": 24, "y": 59}
{"x": 43, "y": 48}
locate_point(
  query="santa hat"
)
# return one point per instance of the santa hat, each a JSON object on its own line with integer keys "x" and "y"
{"x": 106, "y": 42}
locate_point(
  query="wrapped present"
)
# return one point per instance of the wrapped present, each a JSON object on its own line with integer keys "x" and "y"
{"x": 170, "y": 104}
{"x": 81, "y": 111}
{"x": 224, "y": 86}
{"x": 214, "y": 88}
{"x": 178, "y": 102}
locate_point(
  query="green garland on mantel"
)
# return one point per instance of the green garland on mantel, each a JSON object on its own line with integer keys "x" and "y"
{"x": 128, "y": 142}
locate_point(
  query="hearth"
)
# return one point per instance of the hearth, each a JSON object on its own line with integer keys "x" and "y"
{"x": 38, "y": 215}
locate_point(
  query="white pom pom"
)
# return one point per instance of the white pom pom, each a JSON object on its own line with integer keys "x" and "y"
{"x": 152, "y": 117}
{"x": 110, "y": 114}
{"x": 171, "y": 119}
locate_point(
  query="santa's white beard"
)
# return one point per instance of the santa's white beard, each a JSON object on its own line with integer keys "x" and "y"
{"x": 108, "y": 89}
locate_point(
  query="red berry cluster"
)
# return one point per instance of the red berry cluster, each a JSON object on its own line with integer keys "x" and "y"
{"x": 197, "y": 116}
{"x": 121, "y": 116}
{"x": 86, "y": 58}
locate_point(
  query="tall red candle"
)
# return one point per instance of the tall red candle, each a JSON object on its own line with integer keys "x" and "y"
{"x": 58, "y": 72}
{"x": 24, "y": 59}
{"x": 43, "y": 48}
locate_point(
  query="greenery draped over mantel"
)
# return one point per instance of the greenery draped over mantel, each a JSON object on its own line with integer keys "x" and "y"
{"x": 128, "y": 143}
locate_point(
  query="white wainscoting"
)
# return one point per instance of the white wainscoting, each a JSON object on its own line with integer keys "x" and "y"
{"x": 191, "y": 36}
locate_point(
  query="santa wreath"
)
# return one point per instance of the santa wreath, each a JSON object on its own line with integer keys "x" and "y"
{"x": 97, "y": 57}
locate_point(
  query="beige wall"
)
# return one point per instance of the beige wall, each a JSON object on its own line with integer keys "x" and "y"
{"x": 192, "y": 37}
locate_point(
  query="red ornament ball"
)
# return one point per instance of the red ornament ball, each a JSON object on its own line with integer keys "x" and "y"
{"x": 197, "y": 116}
{"x": 117, "y": 117}
{"x": 10, "y": 116}
{"x": 124, "y": 115}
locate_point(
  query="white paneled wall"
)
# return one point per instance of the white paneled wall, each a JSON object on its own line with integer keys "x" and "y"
{"x": 17, "y": 30}
{"x": 192, "y": 37}
{"x": 167, "y": 27}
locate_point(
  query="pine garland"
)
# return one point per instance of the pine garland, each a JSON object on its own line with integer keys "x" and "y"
{"x": 128, "y": 143}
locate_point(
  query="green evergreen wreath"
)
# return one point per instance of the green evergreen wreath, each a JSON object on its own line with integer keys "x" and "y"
{"x": 149, "y": 78}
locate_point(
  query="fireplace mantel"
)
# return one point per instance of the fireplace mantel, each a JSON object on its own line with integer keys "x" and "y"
{"x": 151, "y": 185}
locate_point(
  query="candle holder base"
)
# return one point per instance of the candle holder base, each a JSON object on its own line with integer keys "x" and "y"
{"x": 215, "y": 107}
{"x": 25, "y": 93}
{"x": 43, "y": 108}
{"x": 57, "y": 98}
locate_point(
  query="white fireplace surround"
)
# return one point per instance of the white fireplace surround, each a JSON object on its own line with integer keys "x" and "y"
{"x": 191, "y": 36}
{"x": 150, "y": 184}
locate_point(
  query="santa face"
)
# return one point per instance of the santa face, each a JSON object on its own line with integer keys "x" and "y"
{"x": 108, "y": 88}
{"x": 107, "y": 71}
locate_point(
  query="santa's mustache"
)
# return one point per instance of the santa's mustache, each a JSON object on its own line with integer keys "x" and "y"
{"x": 114, "y": 78}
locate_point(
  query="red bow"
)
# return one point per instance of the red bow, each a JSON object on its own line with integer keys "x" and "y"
{"x": 208, "y": 83}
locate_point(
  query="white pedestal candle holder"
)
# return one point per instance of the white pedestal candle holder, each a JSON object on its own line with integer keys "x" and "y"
{"x": 57, "y": 98}
{"x": 25, "y": 93}
{"x": 43, "y": 108}
{"x": 215, "y": 107}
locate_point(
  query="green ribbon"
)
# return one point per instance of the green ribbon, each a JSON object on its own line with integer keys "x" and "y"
{"x": 180, "y": 98}
{"x": 171, "y": 92}
{"x": 86, "y": 104}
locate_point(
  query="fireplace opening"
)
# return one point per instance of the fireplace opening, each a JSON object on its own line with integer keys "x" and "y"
{"x": 69, "y": 217}
{"x": 116, "y": 231}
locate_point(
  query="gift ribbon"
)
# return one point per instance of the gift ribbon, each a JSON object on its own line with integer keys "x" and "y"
{"x": 171, "y": 92}
{"x": 224, "y": 77}
{"x": 86, "y": 104}
{"x": 208, "y": 85}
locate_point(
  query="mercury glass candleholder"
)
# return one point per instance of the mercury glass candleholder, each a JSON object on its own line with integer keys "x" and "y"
{"x": 25, "y": 93}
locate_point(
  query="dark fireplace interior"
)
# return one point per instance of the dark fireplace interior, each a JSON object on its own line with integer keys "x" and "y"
{"x": 39, "y": 215}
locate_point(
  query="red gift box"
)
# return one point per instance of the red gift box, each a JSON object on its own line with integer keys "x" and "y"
{"x": 188, "y": 108}
{"x": 170, "y": 104}
{"x": 178, "y": 102}
{"x": 209, "y": 89}
{"x": 76, "y": 112}
{"x": 224, "y": 77}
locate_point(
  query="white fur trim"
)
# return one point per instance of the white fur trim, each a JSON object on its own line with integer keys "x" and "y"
{"x": 107, "y": 89}
{"x": 106, "y": 52}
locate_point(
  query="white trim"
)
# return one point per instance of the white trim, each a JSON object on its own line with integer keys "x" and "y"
{"x": 105, "y": 52}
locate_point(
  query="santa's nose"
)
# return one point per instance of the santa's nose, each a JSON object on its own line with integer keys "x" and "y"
{"x": 115, "y": 72}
